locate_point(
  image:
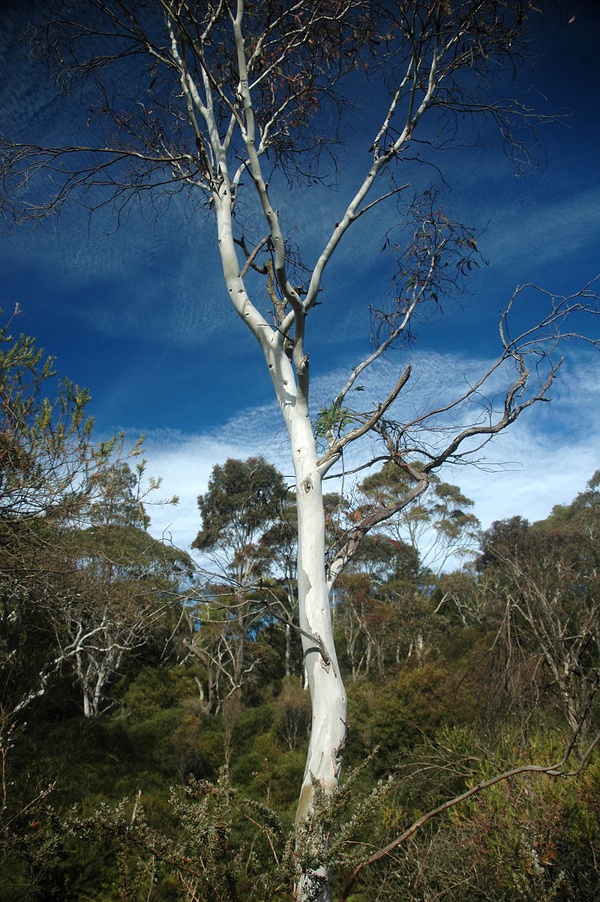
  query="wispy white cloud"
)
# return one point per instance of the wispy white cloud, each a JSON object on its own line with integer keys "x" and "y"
{"x": 156, "y": 283}
{"x": 544, "y": 459}
{"x": 545, "y": 232}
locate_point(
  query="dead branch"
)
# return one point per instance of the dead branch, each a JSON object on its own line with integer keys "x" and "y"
{"x": 552, "y": 770}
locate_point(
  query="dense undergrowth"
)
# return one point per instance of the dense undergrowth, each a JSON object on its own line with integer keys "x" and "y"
{"x": 154, "y": 799}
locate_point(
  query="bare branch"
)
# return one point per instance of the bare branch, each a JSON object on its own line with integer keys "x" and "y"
{"x": 551, "y": 770}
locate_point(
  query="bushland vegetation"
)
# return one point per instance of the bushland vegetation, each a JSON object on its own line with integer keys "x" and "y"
{"x": 153, "y": 715}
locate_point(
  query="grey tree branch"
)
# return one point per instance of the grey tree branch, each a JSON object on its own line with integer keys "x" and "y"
{"x": 552, "y": 770}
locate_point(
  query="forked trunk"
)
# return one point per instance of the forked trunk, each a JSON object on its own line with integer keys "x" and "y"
{"x": 328, "y": 697}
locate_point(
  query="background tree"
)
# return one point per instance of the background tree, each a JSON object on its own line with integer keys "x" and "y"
{"x": 441, "y": 523}
{"x": 213, "y": 98}
{"x": 83, "y": 583}
{"x": 239, "y": 512}
{"x": 126, "y": 588}
{"x": 379, "y": 606}
{"x": 541, "y": 583}
{"x": 386, "y": 610}
{"x": 47, "y": 476}
{"x": 282, "y": 539}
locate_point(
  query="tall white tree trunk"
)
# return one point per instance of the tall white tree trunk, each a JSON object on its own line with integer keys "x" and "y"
{"x": 326, "y": 687}
{"x": 328, "y": 696}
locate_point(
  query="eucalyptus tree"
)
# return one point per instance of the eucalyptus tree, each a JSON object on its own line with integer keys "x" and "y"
{"x": 240, "y": 511}
{"x": 125, "y": 589}
{"x": 46, "y": 453}
{"x": 241, "y": 504}
{"x": 223, "y": 98}
{"x": 440, "y": 524}
{"x": 47, "y": 466}
{"x": 282, "y": 594}
{"x": 386, "y": 611}
{"x": 81, "y": 581}
{"x": 382, "y": 605}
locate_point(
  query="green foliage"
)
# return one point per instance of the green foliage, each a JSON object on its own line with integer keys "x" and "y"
{"x": 117, "y": 501}
{"x": 397, "y": 716}
{"x": 210, "y": 854}
{"x": 45, "y": 440}
{"x": 218, "y": 846}
{"x": 249, "y": 535}
{"x": 440, "y": 521}
{"x": 241, "y": 501}
{"x": 292, "y": 720}
{"x": 82, "y": 581}
{"x": 429, "y": 662}
{"x": 541, "y": 585}
{"x": 541, "y": 853}
{"x": 331, "y": 422}
{"x": 47, "y": 462}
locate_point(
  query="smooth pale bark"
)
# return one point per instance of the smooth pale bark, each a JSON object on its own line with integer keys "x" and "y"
{"x": 328, "y": 696}
{"x": 326, "y": 687}
{"x": 290, "y": 381}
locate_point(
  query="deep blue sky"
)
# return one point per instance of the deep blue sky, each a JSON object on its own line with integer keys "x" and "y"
{"x": 139, "y": 315}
